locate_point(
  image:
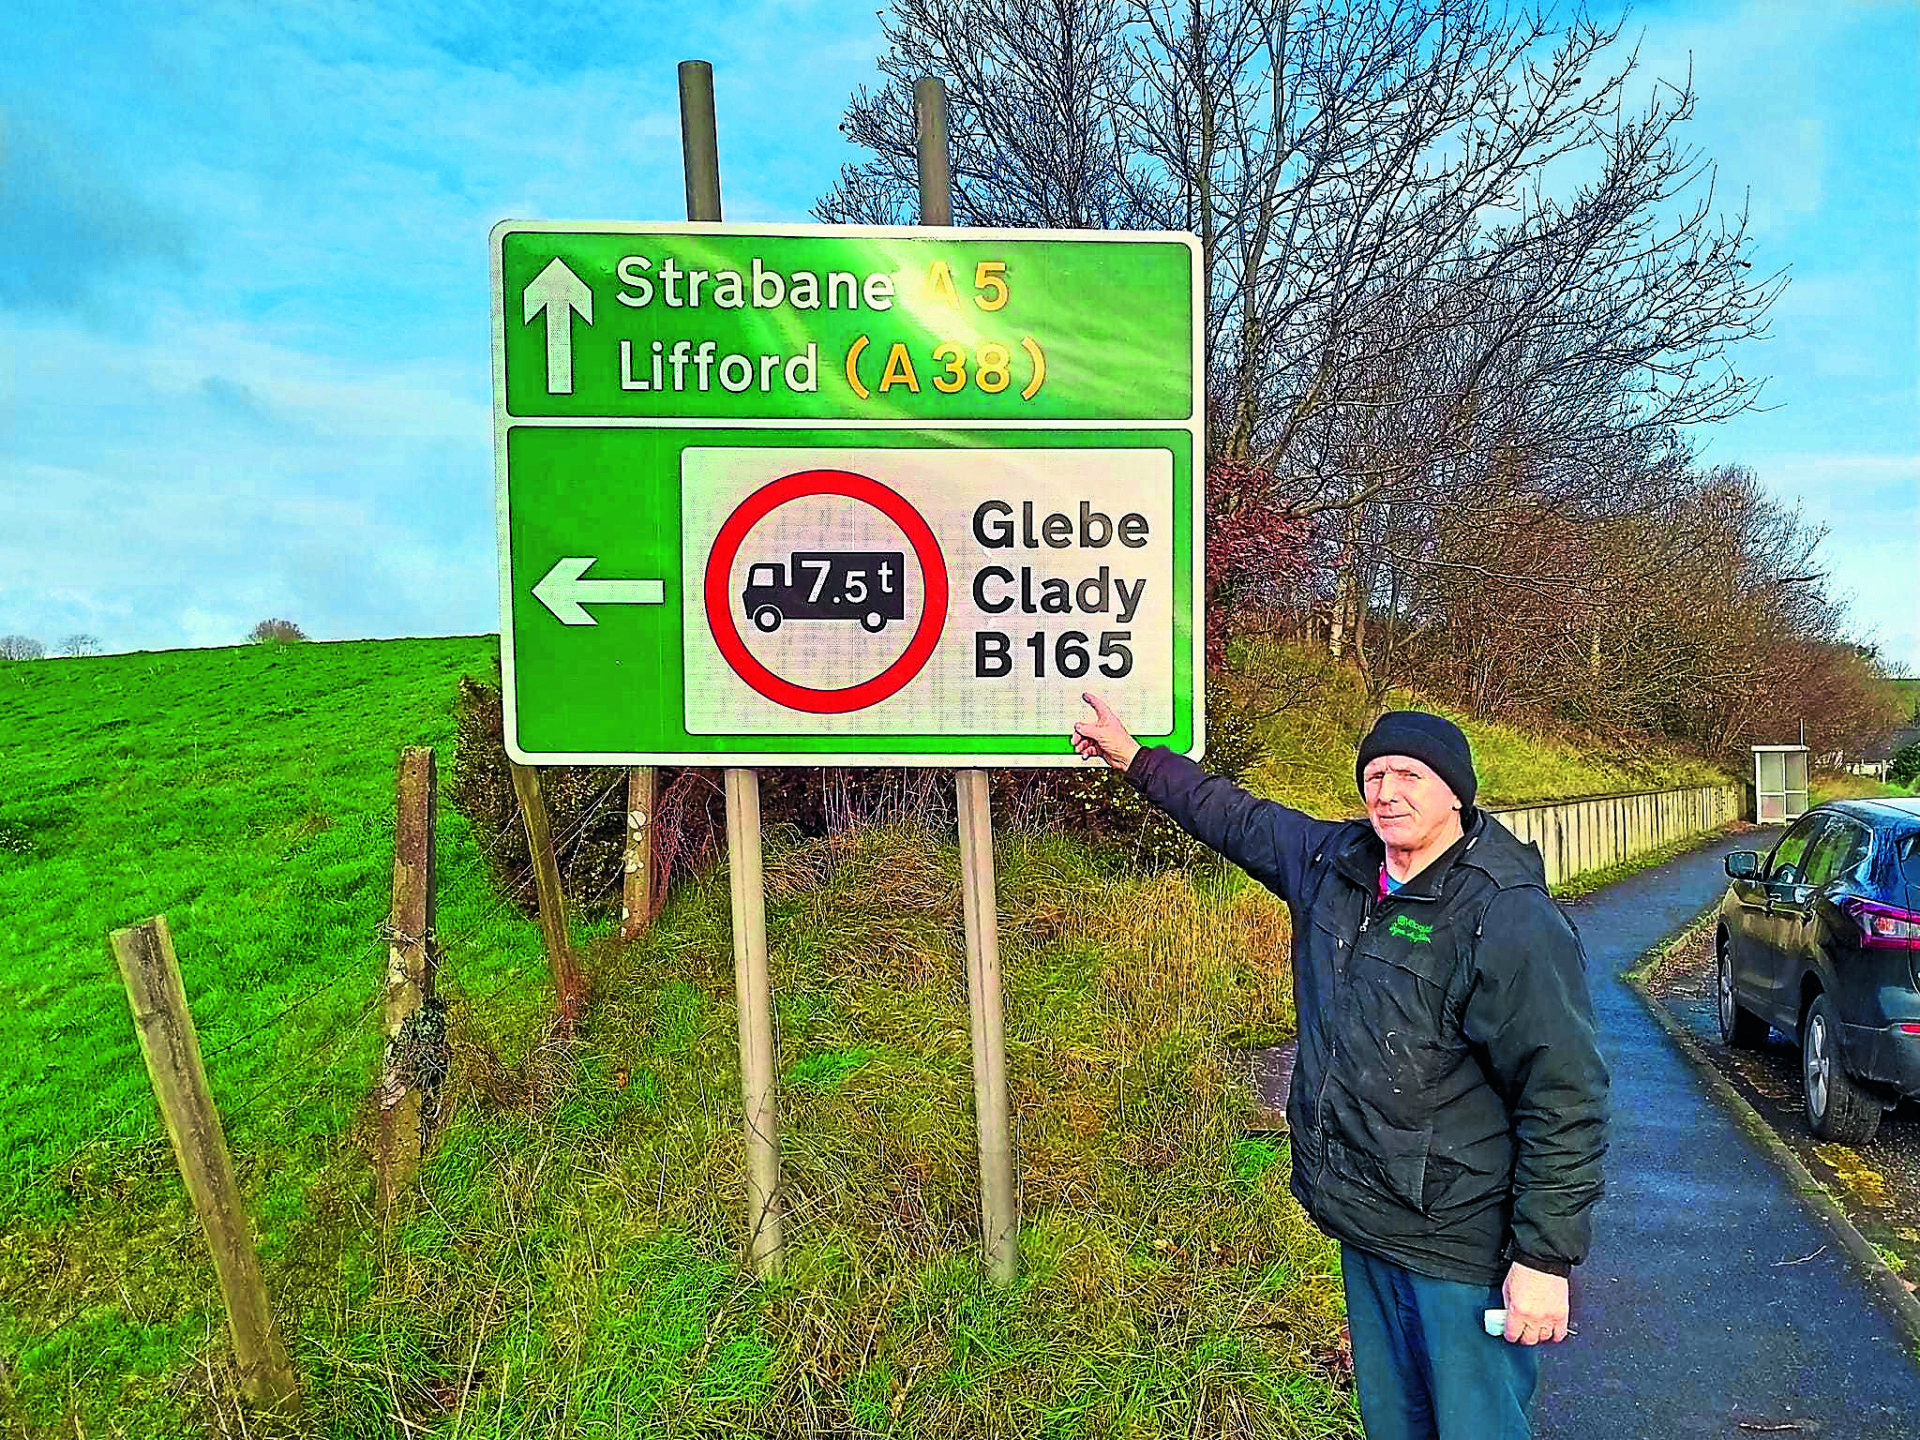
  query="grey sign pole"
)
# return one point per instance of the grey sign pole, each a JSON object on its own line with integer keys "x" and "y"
{"x": 999, "y": 1211}
{"x": 699, "y": 140}
{"x": 930, "y": 131}
{"x": 700, "y": 163}
{"x": 753, "y": 994}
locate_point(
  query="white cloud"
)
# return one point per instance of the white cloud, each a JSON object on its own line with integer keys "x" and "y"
{"x": 299, "y": 422}
{"x": 355, "y": 501}
{"x": 201, "y": 627}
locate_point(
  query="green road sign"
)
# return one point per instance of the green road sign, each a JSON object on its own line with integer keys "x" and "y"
{"x": 844, "y": 495}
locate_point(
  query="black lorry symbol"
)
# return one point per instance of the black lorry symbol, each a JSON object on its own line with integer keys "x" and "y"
{"x": 828, "y": 585}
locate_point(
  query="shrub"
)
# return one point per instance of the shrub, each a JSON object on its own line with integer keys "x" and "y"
{"x": 275, "y": 632}
{"x": 20, "y": 647}
{"x": 587, "y": 815}
{"x": 1905, "y": 769}
{"x": 587, "y": 810}
{"x": 586, "y": 804}
{"x": 1257, "y": 551}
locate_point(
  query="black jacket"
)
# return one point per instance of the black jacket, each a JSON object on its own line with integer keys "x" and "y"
{"x": 1448, "y": 1110}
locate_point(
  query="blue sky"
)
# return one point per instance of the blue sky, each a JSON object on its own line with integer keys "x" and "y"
{"x": 243, "y": 277}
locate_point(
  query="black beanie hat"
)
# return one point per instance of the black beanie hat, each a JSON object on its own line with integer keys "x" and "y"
{"x": 1431, "y": 738}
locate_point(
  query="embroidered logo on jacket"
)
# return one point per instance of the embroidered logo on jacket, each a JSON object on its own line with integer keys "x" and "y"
{"x": 1408, "y": 928}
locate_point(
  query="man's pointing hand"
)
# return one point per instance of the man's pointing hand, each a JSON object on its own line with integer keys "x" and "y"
{"x": 1104, "y": 737}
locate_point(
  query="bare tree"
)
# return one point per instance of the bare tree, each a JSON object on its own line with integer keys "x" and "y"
{"x": 1714, "y": 626}
{"x": 1034, "y": 133}
{"x": 1394, "y": 287}
{"x": 1466, "y": 300}
{"x": 79, "y": 644}
{"x": 20, "y": 647}
{"x": 1365, "y": 179}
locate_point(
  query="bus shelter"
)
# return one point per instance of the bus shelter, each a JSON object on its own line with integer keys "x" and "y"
{"x": 1779, "y": 783}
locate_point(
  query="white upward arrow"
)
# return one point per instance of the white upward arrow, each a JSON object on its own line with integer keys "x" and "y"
{"x": 563, "y": 592}
{"x": 559, "y": 292}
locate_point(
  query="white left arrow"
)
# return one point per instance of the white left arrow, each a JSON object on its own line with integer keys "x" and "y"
{"x": 559, "y": 292}
{"x": 563, "y": 592}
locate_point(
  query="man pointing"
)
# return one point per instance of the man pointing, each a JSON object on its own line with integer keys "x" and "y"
{"x": 1448, "y": 1109}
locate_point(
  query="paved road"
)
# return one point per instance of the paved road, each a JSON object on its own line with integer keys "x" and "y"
{"x": 1878, "y": 1184}
{"x": 1691, "y": 1323}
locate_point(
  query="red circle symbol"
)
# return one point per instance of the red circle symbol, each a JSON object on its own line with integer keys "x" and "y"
{"x": 799, "y": 486}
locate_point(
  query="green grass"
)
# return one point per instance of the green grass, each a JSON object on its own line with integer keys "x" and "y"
{"x": 1908, "y": 691}
{"x": 1583, "y": 885}
{"x": 1828, "y": 785}
{"x": 571, "y": 1261}
{"x": 570, "y": 1264}
{"x": 247, "y": 794}
{"x": 1315, "y": 714}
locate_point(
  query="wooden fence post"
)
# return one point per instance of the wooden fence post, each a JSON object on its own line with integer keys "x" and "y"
{"x": 171, "y": 1047}
{"x": 553, "y": 905}
{"x": 636, "y": 885}
{"x": 416, "y": 1049}
{"x": 999, "y": 1214}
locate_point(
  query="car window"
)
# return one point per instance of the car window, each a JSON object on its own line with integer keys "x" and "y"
{"x": 1792, "y": 849}
{"x": 1910, "y": 857}
{"x": 1856, "y": 851}
{"x": 1840, "y": 847}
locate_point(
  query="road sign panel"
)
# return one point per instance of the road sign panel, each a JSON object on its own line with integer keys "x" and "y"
{"x": 844, "y": 495}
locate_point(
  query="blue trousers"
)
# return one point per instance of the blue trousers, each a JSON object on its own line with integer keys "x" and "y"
{"x": 1423, "y": 1362}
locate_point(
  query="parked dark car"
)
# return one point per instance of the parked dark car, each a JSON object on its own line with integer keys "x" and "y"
{"x": 1821, "y": 941}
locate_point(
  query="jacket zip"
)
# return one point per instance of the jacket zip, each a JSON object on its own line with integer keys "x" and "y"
{"x": 1333, "y": 1045}
{"x": 1371, "y": 898}
{"x": 1340, "y": 990}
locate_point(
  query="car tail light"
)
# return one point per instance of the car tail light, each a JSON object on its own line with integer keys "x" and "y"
{"x": 1885, "y": 927}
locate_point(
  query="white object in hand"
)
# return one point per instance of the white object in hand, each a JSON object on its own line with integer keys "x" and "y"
{"x": 1496, "y": 1322}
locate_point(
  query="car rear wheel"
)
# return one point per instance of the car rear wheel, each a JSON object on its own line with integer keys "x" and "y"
{"x": 1739, "y": 1028}
{"x": 1837, "y": 1108}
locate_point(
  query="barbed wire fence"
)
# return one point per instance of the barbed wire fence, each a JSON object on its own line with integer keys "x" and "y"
{"x": 318, "y": 1060}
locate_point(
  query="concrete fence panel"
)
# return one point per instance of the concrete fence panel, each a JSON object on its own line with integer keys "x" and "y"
{"x": 1578, "y": 837}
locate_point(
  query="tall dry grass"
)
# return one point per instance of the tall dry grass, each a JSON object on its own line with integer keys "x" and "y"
{"x": 1168, "y": 1284}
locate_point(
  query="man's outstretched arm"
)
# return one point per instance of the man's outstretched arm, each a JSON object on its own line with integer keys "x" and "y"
{"x": 1263, "y": 837}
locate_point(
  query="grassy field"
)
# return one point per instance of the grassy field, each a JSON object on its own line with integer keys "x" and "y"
{"x": 571, "y": 1264}
{"x": 247, "y": 794}
{"x": 1909, "y": 692}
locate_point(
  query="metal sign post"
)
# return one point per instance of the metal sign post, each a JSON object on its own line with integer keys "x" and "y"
{"x": 999, "y": 1212}
{"x": 752, "y": 989}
